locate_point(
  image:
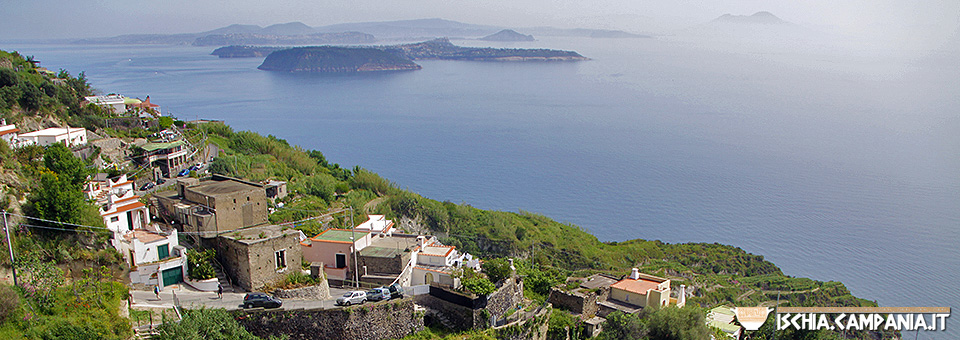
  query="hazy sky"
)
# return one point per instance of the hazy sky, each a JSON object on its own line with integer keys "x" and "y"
{"x": 96, "y": 18}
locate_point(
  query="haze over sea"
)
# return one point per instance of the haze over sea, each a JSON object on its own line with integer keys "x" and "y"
{"x": 834, "y": 165}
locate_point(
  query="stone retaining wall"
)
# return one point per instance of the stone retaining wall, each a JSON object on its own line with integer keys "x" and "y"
{"x": 373, "y": 321}
{"x": 318, "y": 292}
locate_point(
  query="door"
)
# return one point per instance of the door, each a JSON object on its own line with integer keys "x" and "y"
{"x": 172, "y": 276}
{"x": 341, "y": 260}
{"x": 130, "y": 220}
{"x": 428, "y": 278}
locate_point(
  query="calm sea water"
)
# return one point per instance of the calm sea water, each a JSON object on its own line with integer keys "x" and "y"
{"x": 833, "y": 165}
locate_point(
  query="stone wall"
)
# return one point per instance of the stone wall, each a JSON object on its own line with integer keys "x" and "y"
{"x": 497, "y": 304}
{"x": 386, "y": 320}
{"x": 253, "y": 264}
{"x": 508, "y": 296}
{"x": 318, "y": 292}
{"x": 579, "y": 301}
{"x": 384, "y": 265}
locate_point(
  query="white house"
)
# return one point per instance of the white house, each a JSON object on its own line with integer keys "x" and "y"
{"x": 113, "y": 102}
{"x": 68, "y": 136}
{"x": 155, "y": 257}
{"x": 8, "y": 132}
{"x": 124, "y": 213}
{"x": 434, "y": 262}
{"x": 100, "y": 187}
{"x": 377, "y": 224}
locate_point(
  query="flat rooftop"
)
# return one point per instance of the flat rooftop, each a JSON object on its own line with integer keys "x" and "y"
{"x": 338, "y": 235}
{"x": 437, "y": 250}
{"x": 597, "y": 281}
{"x": 162, "y": 146}
{"x": 215, "y": 187}
{"x": 253, "y": 234}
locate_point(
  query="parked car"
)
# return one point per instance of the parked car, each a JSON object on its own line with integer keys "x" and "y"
{"x": 183, "y": 172}
{"x": 147, "y": 186}
{"x": 349, "y": 298}
{"x": 378, "y": 294}
{"x": 194, "y": 168}
{"x": 261, "y": 300}
{"x": 396, "y": 292}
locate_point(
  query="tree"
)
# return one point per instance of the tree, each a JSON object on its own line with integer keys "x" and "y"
{"x": 200, "y": 264}
{"x": 60, "y": 196}
{"x": 673, "y": 323}
{"x": 479, "y": 285}
{"x": 59, "y": 159}
{"x": 496, "y": 269}
{"x": 621, "y": 326}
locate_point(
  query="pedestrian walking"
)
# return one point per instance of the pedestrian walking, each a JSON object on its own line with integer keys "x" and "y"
{"x": 220, "y": 291}
{"x": 156, "y": 291}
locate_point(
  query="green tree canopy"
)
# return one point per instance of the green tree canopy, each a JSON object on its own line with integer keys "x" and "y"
{"x": 673, "y": 323}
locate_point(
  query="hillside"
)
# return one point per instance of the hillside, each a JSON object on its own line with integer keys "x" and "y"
{"x": 330, "y": 59}
{"x": 274, "y": 39}
{"x": 238, "y": 51}
{"x": 759, "y": 18}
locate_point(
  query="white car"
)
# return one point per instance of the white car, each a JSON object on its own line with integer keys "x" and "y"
{"x": 354, "y": 297}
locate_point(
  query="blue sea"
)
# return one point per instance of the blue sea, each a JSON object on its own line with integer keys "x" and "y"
{"x": 835, "y": 164}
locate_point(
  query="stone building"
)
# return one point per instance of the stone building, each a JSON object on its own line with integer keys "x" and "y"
{"x": 253, "y": 257}
{"x": 215, "y": 205}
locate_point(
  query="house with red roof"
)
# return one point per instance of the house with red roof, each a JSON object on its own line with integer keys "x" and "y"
{"x": 639, "y": 291}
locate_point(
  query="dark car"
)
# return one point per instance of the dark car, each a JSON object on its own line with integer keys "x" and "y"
{"x": 183, "y": 172}
{"x": 396, "y": 292}
{"x": 194, "y": 168}
{"x": 147, "y": 186}
{"x": 261, "y": 300}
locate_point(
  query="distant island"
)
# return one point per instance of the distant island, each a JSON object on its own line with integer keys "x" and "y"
{"x": 298, "y": 33}
{"x": 508, "y": 35}
{"x": 333, "y": 59}
{"x": 443, "y": 49}
{"x": 274, "y": 39}
{"x": 243, "y": 51}
{"x": 762, "y": 17}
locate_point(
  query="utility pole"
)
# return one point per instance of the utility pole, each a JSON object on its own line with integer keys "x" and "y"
{"x": 13, "y": 264}
{"x": 353, "y": 232}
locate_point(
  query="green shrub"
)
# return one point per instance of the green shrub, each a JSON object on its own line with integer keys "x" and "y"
{"x": 496, "y": 269}
{"x": 478, "y": 285}
{"x": 200, "y": 264}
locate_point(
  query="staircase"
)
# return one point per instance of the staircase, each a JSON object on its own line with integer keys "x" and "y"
{"x": 438, "y": 316}
{"x": 224, "y": 281}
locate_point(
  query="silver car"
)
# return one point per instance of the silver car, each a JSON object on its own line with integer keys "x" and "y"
{"x": 354, "y": 297}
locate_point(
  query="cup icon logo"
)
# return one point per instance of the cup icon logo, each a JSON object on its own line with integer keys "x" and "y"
{"x": 751, "y": 318}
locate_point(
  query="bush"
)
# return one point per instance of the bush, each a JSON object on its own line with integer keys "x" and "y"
{"x": 673, "y": 323}
{"x": 9, "y": 302}
{"x": 478, "y": 285}
{"x": 496, "y": 269}
{"x": 200, "y": 264}
{"x": 623, "y": 326}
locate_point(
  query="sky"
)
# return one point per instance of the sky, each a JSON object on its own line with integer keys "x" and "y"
{"x": 38, "y": 19}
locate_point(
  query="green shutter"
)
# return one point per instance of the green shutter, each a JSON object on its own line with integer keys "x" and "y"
{"x": 163, "y": 251}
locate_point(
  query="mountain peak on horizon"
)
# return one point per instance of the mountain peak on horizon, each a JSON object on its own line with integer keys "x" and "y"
{"x": 761, "y": 17}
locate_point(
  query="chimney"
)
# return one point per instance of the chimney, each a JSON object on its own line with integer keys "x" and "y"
{"x": 682, "y": 296}
{"x": 420, "y": 240}
{"x": 512, "y": 267}
{"x": 635, "y": 274}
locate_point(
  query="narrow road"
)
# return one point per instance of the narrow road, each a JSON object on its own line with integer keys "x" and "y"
{"x": 191, "y": 299}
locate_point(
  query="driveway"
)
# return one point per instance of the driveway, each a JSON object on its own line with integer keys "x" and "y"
{"x": 191, "y": 298}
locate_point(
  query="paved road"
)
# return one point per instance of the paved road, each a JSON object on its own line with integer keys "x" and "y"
{"x": 190, "y": 298}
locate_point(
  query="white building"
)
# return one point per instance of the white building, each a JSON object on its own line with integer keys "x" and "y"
{"x": 434, "y": 262}
{"x": 124, "y": 213}
{"x": 8, "y": 132}
{"x": 377, "y": 224}
{"x": 68, "y": 136}
{"x": 113, "y": 102}
{"x": 100, "y": 187}
{"x": 155, "y": 257}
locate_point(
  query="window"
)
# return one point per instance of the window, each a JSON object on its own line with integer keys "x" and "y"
{"x": 163, "y": 251}
{"x": 281, "y": 259}
{"x": 115, "y": 219}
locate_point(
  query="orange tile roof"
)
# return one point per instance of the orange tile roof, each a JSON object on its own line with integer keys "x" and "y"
{"x": 9, "y": 131}
{"x": 640, "y": 286}
{"x": 124, "y": 208}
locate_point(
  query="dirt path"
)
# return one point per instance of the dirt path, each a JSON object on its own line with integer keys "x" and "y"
{"x": 368, "y": 208}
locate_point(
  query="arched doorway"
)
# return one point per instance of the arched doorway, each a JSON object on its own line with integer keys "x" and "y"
{"x": 428, "y": 278}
